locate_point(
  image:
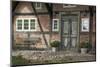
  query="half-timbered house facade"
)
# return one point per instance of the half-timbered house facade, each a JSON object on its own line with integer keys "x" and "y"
{"x": 36, "y": 24}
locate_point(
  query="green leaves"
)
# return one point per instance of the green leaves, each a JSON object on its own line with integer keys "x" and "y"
{"x": 55, "y": 44}
{"x": 85, "y": 45}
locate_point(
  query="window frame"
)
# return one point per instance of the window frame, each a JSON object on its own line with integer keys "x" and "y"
{"x": 24, "y": 25}
{"x": 86, "y": 23}
{"x": 29, "y": 29}
{"x": 17, "y": 24}
{"x": 35, "y": 24}
{"x": 55, "y": 30}
{"x": 37, "y": 6}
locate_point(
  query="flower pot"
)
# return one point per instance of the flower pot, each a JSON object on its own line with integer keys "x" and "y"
{"x": 83, "y": 50}
{"x": 53, "y": 49}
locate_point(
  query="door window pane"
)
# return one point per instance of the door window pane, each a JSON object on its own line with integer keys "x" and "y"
{"x": 66, "y": 27}
{"x": 67, "y": 42}
{"x": 74, "y": 42}
{"x": 74, "y": 27}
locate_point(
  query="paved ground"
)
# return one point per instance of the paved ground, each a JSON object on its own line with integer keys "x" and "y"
{"x": 54, "y": 57}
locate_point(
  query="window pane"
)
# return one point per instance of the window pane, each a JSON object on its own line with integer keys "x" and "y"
{"x": 38, "y": 5}
{"x": 26, "y": 24}
{"x": 74, "y": 40}
{"x": 19, "y": 24}
{"x": 66, "y": 26}
{"x": 32, "y": 24}
{"x": 74, "y": 28}
{"x": 55, "y": 24}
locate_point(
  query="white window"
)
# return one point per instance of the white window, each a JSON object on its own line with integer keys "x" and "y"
{"x": 85, "y": 25}
{"x": 38, "y": 5}
{"x": 55, "y": 25}
{"x": 26, "y": 24}
{"x": 68, "y": 5}
{"x": 19, "y": 24}
{"x": 33, "y": 24}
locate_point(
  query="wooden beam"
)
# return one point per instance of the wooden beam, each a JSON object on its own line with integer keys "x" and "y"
{"x": 14, "y": 5}
{"x": 12, "y": 33}
{"x": 86, "y": 33}
{"x": 39, "y": 23}
{"x": 91, "y": 25}
{"x": 49, "y": 7}
{"x": 40, "y": 13}
{"x": 38, "y": 32}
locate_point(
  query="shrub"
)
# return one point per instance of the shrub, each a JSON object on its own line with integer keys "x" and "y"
{"x": 55, "y": 44}
{"x": 85, "y": 45}
{"x": 19, "y": 60}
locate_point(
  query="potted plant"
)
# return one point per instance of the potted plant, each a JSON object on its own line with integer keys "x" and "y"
{"x": 85, "y": 46}
{"x": 54, "y": 45}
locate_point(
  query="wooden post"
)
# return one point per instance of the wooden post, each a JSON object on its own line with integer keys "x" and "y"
{"x": 14, "y": 5}
{"x": 91, "y": 25}
{"x": 50, "y": 11}
{"x": 51, "y": 17}
{"x": 36, "y": 14}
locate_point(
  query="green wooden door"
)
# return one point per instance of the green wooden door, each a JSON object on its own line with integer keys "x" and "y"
{"x": 70, "y": 30}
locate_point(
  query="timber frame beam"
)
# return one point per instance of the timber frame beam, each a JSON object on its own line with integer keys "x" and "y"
{"x": 49, "y": 7}
{"x": 14, "y": 5}
{"x": 91, "y": 24}
{"x": 39, "y": 23}
{"x": 40, "y": 13}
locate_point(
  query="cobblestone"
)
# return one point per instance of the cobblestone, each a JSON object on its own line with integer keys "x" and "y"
{"x": 48, "y": 55}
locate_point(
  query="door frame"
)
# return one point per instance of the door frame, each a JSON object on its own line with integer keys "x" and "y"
{"x": 61, "y": 27}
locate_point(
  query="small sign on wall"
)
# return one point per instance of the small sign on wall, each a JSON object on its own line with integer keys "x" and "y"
{"x": 85, "y": 24}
